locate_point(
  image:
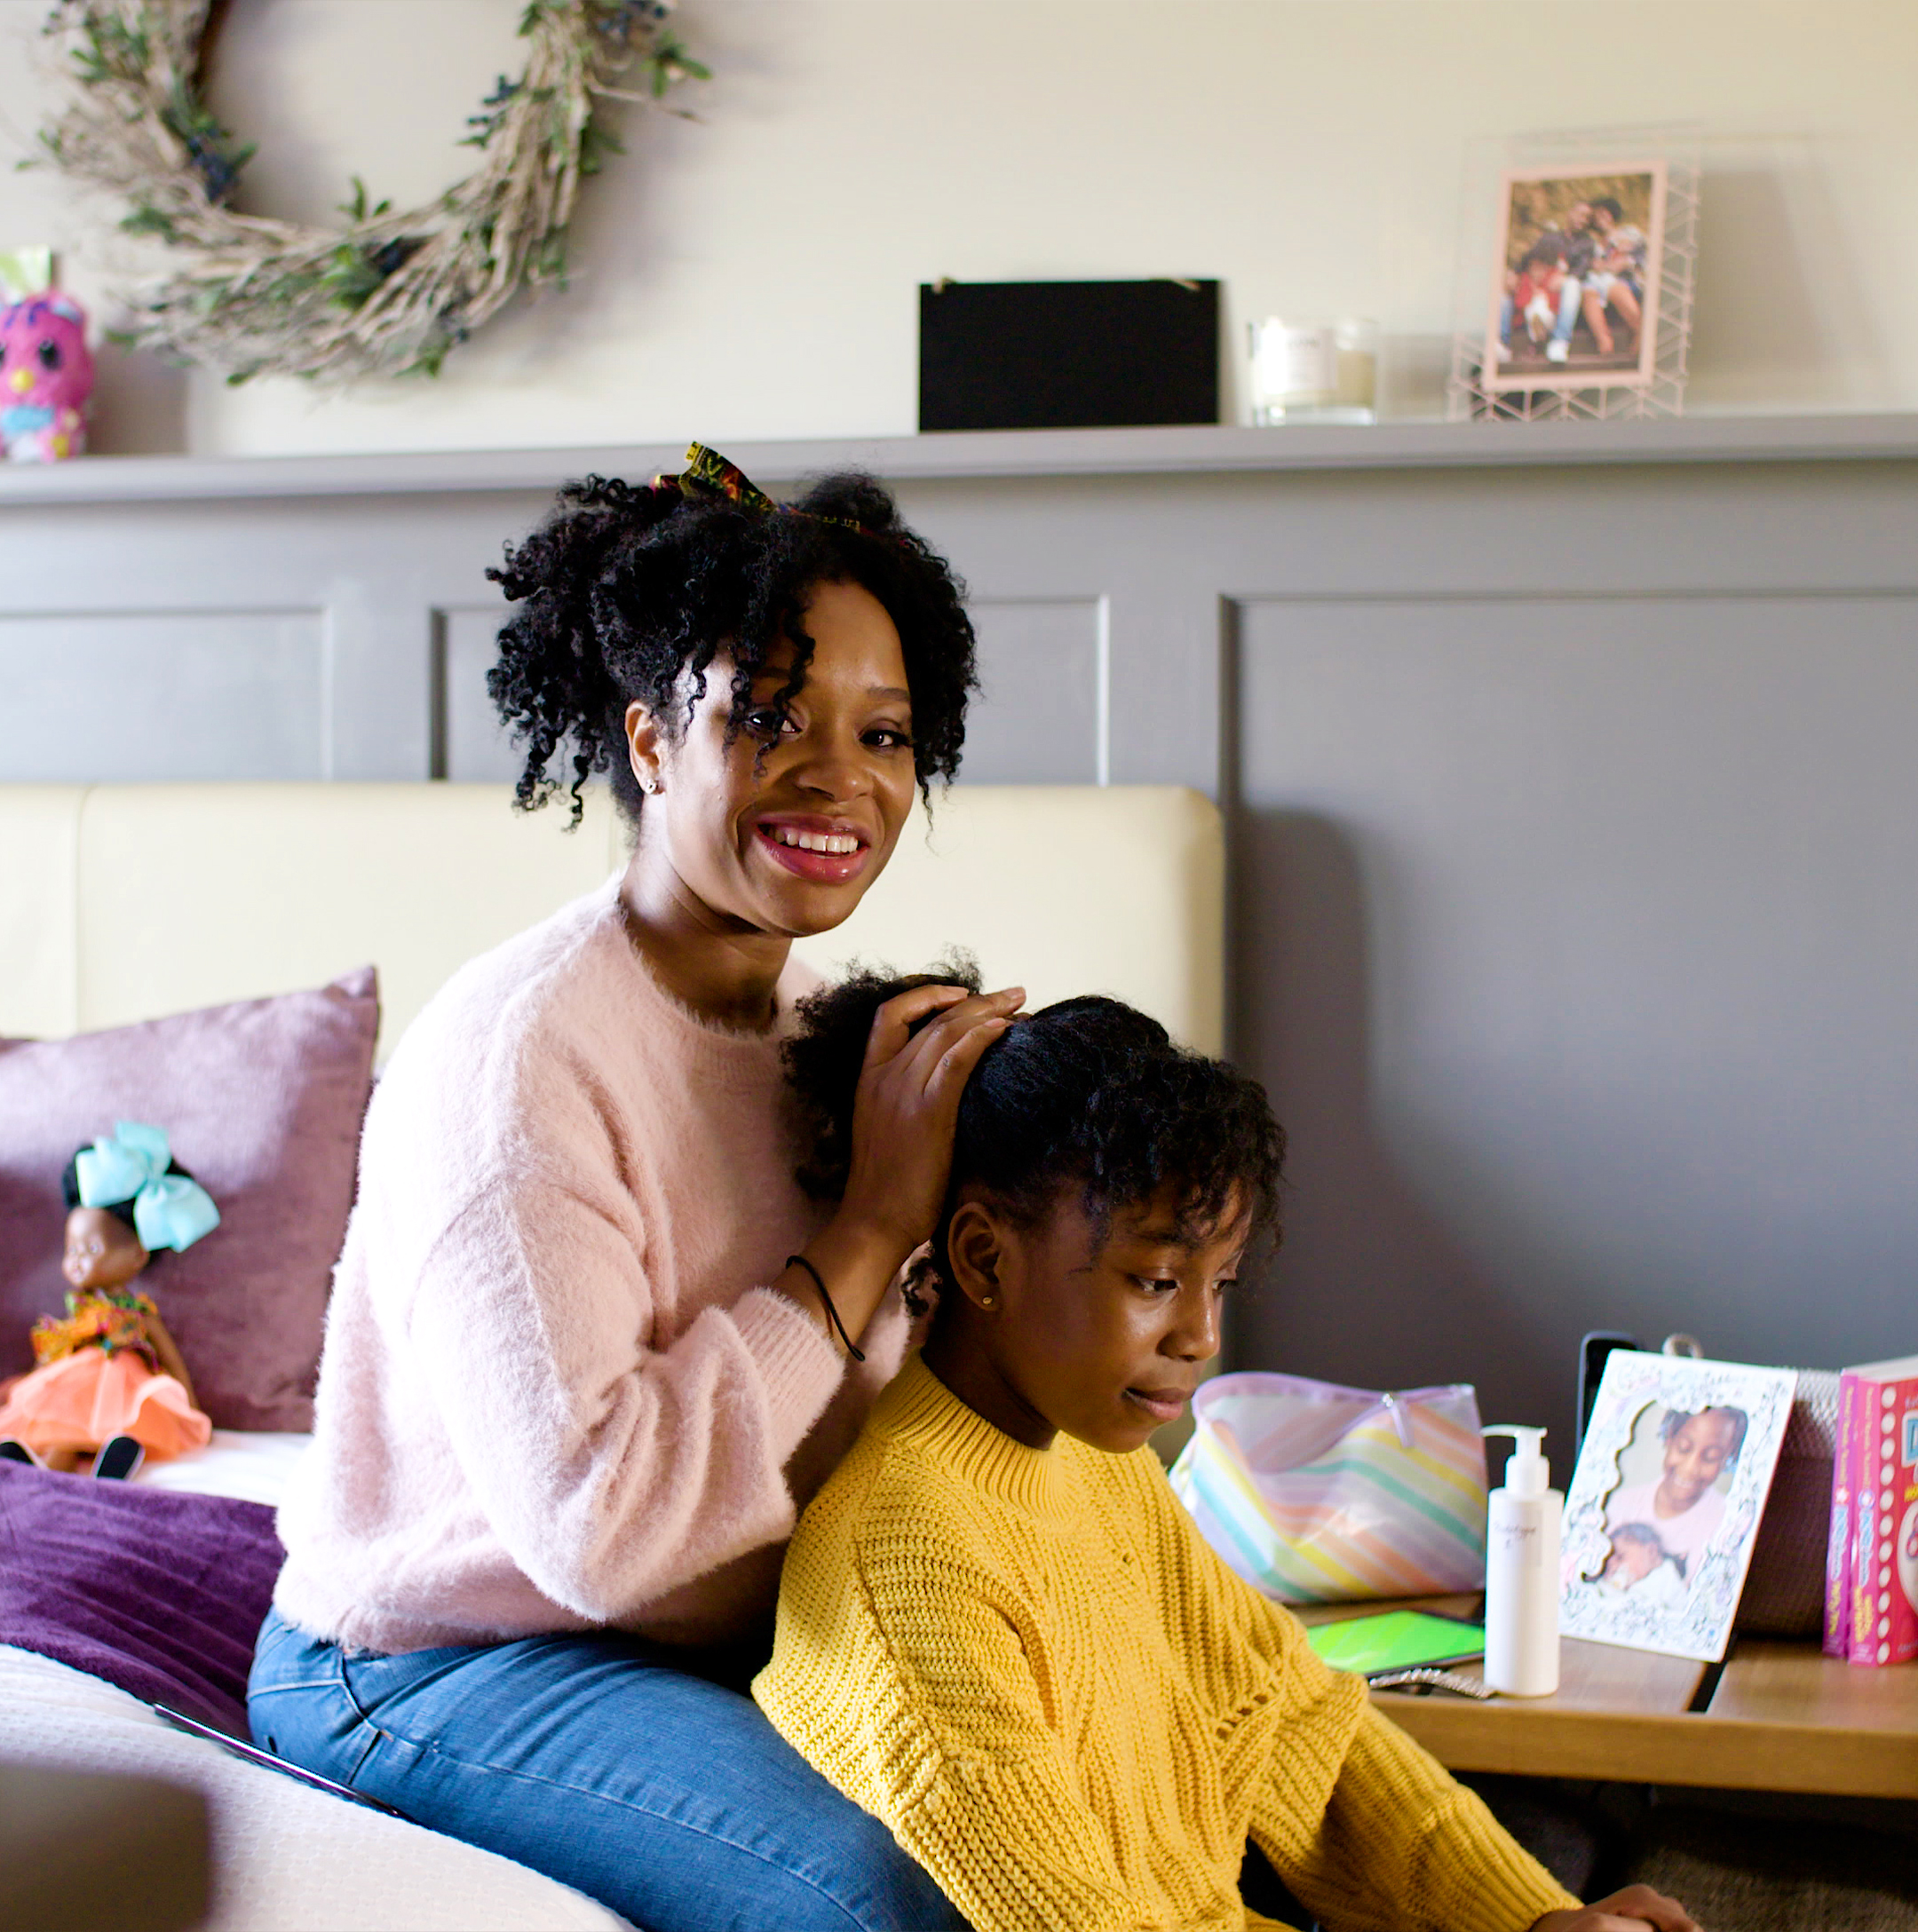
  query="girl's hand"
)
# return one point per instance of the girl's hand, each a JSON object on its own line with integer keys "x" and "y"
{"x": 908, "y": 1103}
{"x": 1629, "y": 1910}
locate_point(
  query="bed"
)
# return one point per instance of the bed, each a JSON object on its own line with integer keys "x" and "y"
{"x": 122, "y": 904}
{"x": 287, "y": 1858}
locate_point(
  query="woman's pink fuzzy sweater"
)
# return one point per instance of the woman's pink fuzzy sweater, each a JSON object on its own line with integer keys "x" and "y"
{"x": 556, "y": 1393}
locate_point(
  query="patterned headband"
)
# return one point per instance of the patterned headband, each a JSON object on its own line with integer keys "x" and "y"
{"x": 708, "y": 477}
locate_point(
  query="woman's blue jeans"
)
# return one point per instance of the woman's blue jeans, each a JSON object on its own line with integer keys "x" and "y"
{"x": 605, "y": 1762}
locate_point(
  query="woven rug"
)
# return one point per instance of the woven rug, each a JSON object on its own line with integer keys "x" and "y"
{"x": 1750, "y": 1874}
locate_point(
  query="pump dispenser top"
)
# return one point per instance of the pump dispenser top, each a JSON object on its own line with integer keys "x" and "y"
{"x": 1527, "y": 1473}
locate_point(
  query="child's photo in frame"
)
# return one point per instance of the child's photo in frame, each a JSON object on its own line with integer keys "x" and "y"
{"x": 1574, "y": 300}
{"x": 1664, "y": 1505}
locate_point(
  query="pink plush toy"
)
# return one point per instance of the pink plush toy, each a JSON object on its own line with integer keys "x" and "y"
{"x": 46, "y": 375}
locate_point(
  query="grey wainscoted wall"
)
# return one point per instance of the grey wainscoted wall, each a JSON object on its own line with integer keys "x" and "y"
{"x": 1571, "y": 781}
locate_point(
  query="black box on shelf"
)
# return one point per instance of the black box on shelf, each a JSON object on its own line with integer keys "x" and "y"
{"x": 1057, "y": 355}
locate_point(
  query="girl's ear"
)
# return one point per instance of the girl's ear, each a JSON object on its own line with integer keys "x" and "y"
{"x": 976, "y": 1252}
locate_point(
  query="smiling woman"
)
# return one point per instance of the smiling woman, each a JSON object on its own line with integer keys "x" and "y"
{"x": 780, "y": 822}
{"x": 591, "y": 1347}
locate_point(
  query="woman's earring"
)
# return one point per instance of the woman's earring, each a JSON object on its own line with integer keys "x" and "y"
{"x": 649, "y": 786}
{"x": 988, "y": 1300}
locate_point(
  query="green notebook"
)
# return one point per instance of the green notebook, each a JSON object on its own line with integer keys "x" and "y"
{"x": 1396, "y": 1640}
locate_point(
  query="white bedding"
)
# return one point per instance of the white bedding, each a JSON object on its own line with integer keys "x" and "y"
{"x": 287, "y": 1858}
{"x": 254, "y": 1467}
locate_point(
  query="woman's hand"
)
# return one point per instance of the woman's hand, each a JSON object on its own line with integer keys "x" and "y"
{"x": 908, "y": 1104}
{"x": 1629, "y": 1910}
{"x": 902, "y": 1133}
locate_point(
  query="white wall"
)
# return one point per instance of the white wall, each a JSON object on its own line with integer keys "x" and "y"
{"x": 755, "y": 273}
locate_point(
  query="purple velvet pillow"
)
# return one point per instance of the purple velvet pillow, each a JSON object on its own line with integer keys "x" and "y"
{"x": 263, "y": 1103}
{"x": 157, "y": 1591}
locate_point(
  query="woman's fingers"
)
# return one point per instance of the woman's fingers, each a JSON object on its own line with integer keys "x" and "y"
{"x": 892, "y": 1023}
{"x": 909, "y": 1099}
{"x": 919, "y": 1061}
{"x": 954, "y": 1067}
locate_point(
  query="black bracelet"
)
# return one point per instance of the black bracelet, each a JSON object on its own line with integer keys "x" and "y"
{"x": 819, "y": 1281}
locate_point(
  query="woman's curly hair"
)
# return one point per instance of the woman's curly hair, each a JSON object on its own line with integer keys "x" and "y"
{"x": 1089, "y": 1094}
{"x": 627, "y": 589}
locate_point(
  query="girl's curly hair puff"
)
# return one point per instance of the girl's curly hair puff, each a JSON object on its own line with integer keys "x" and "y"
{"x": 627, "y": 589}
{"x": 1087, "y": 1093}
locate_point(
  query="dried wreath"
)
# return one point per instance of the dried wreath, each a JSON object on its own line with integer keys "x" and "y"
{"x": 394, "y": 290}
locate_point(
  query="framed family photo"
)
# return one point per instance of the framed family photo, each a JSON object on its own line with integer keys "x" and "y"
{"x": 1574, "y": 298}
{"x": 1664, "y": 1505}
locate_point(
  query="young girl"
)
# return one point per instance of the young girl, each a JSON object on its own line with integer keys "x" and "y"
{"x": 997, "y": 1629}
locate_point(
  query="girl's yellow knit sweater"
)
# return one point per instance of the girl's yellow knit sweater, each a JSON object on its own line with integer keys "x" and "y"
{"x": 1031, "y": 1666}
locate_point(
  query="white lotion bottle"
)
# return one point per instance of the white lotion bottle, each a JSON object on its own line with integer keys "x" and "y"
{"x": 1521, "y": 1609}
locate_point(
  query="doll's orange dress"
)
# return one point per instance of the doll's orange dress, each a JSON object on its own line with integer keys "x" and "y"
{"x": 97, "y": 1378}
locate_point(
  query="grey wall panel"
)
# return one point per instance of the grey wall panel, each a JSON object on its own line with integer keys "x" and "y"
{"x": 1040, "y": 716}
{"x": 1142, "y": 553}
{"x": 1571, "y": 865}
{"x": 1578, "y": 942}
{"x": 165, "y": 694}
{"x": 369, "y": 575}
{"x": 380, "y": 698}
{"x": 1040, "y": 713}
{"x": 476, "y": 746}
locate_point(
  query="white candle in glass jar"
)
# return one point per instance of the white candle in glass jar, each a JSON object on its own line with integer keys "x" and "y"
{"x": 1313, "y": 371}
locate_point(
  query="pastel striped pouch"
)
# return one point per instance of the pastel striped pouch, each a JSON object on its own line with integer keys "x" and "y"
{"x": 1315, "y": 1494}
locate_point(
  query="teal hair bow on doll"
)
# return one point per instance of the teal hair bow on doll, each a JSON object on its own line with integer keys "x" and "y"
{"x": 170, "y": 1209}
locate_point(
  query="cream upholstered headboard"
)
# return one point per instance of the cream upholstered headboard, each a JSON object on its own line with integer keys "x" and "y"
{"x": 120, "y": 903}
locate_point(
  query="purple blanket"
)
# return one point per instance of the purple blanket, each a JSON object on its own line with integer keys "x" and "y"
{"x": 160, "y": 1593}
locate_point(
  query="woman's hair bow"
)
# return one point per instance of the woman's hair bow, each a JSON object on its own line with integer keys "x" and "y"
{"x": 708, "y": 474}
{"x": 170, "y": 1209}
{"x": 709, "y": 478}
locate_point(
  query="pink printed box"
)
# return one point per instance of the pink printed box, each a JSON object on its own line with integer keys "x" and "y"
{"x": 1880, "y": 1454}
{"x": 1838, "y": 1549}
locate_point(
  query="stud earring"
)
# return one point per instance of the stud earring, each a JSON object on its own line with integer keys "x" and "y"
{"x": 649, "y": 786}
{"x": 988, "y": 1300}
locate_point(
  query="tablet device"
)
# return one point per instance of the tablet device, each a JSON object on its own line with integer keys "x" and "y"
{"x": 1396, "y": 1640}
{"x": 254, "y": 1756}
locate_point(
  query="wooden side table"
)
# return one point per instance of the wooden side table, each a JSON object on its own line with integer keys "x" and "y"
{"x": 1813, "y": 1724}
{"x": 1782, "y": 1717}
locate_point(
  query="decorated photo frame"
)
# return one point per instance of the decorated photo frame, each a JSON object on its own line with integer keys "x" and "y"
{"x": 1664, "y": 1506}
